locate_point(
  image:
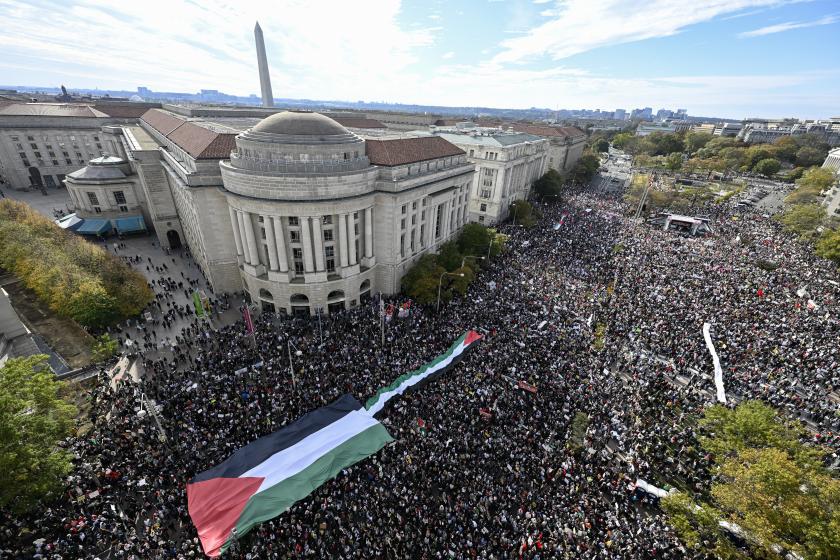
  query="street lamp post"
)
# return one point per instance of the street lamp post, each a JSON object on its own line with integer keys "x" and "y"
{"x": 440, "y": 283}
{"x": 463, "y": 260}
{"x": 291, "y": 366}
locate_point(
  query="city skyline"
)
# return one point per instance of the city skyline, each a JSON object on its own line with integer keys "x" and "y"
{"x": 717, "y": 58}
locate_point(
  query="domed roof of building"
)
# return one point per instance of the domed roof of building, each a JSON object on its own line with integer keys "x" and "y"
{"x": 292, "y": 123}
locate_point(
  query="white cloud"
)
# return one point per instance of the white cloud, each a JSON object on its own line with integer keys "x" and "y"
{"x": 450, "y": 54}
{"x": 780, "y": 27}
{"x": 582, "y": 25}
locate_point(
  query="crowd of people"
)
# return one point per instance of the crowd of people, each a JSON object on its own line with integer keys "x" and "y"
{"x": 600, "y": 316}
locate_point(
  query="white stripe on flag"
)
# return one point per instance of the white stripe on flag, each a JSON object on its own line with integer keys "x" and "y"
{"x": 291, "y": 460}
{"x": 411, "y": 381}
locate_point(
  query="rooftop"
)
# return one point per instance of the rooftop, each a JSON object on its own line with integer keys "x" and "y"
{"x": 402, "y": 151}
{"x": 50, "y": 110}
{"x": 201, "y": 140}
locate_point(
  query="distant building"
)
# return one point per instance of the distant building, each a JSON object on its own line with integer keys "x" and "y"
{"x": 645, "y": 114}
{"x": 649, "y": 128}
{"x": 762, "y": 131}
{"x": 832, "y": 196}
{"x": 565, "y": 145}
{"x": 40, "y": 143}
{"x": 727, "y": 129}
{"x": 506, "y": 165}
{"x": 832, "y": 162}
{"x": 708, "y": 128}
{"x": 620, "y": 114}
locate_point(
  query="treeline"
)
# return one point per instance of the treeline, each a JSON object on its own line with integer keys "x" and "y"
{"x": 806, "y": 216}
{"x": 453, "y": 267}
{"x": 76, "y": 279}
{"x": 696, "y": 151}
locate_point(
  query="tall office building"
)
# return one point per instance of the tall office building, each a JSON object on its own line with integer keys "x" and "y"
{"x": 262, "y": 62}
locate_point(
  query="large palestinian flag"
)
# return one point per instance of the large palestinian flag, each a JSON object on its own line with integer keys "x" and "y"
{"x": 264, "y": 478}
{"x": 424, "y": 373}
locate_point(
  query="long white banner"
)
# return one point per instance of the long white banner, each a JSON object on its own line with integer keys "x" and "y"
{"x": 721, "y": 394}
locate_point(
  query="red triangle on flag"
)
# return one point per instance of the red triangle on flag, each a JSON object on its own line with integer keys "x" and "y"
{"x": 472, "y": 336}
{"x": 215, "y": 506}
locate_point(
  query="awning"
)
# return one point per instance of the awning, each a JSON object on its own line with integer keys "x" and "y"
{"x": 94, "y": 227}
{"x": 70, "y": 221}
{"x": 130, "y": 224}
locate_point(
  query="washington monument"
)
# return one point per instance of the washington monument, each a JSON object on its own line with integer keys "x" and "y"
{"x": 262, "y": 62}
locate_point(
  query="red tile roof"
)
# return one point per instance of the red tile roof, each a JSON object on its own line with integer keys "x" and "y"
{"x": 358, "y": 122}
{"x": 196, "y": 140}
{"x": 410, "y": 150}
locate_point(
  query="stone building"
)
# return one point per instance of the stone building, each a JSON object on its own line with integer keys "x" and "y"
{"x": 40, "y": 143}
{"x": 565, "y": 144}
{"x": 295, "y": 209}
{"x": 506, "y": 165}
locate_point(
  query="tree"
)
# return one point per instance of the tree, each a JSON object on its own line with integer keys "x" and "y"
{"x": 550, "y": 184}
{"x": 623, "y": 140}
{"x": 33, "y": 420}
{"x": 449, "y": 257}
{"x": 828, "y": 246}
{"x": 104, "y": 348}
{"x": 768, "y": 483}
{"x": 803, "y": 219}
{"x": 421, "y": 281}
{"x": 767, "y": 167}
{"x": 673, "y": 161}
{"x": 810, "y": 186}
{"x": 601, "y": 145}
{"x": 755, "y": 154}
{"x": 585, "y": 168}
{"x": 521, "y": 212}
{"x": 808, "y": 156}
{"x": 474, "y": 240}
{"x": 786, "y": 148}
{"x": 459, "y": 284}
{"x": 694, "y": 141}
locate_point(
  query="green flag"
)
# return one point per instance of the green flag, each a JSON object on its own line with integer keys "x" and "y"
{"x": 199, "y": 309}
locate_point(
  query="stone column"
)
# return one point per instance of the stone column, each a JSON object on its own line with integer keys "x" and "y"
{"x": 369, "y": 232}
{"x": 306, "y": 241}
{"x": 280, "y": 241}
{"x": 272, "y": 243}
{"x": 444, "y": 230}
{"x": 351, "y": 240}
{"x": 318, "y": 237}
{"x": 236, "y": 236}
{"x": 240, "y": 219}
{"x": 249, "y": 236}
{"x": 342, "y": 238}
{"x": 430, "y": 225}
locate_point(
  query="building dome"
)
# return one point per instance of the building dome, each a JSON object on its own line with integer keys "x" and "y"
{"x": 289, "y": 123}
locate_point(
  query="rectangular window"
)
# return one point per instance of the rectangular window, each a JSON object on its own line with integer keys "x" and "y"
{"x": 93, "y": 199}
{"x": 414, "y": 219}
{"x": 30, "y": 138}
{"x": 330, "y": 265}
{"x": 37, "y": 154}
{"x": 485, "y": 193}
{"x": 19, "y": 146}
{"x": 329, "y": 251}
{"x": 262, "y": 233}
{"x": 22, "y": 155}
{"x": 327, "y": 220}
{"x": 65, "y": 154}
{"x": 412, "y": 239}
{"x": 402, "y": 223}
{"x": 293, "y": 221}
{"x": 97, "y": 209}
{"x": 55, "y": 162}
{"x": 119, "y": 197}
{"x": 96, "y": 138}
{"x": 422, "y": 234}
{"x": 297, "y": 253}
{"x": 402, "y": 244}
{"x": 414, "y": 205}
{"x": 294, "y": 236}
{"x": 472, "y": 153}
{"x": 483, "y": 208}
{"x": 298, "y": 267}
{"x": 33, "y": 146}
{"x": 123, "y": 208}
{"x": 403, "y": 208}
{"x": 68, "y": 161}
{"x": 481, "y": 219}
{"x": 328, "y": 235}
{"x": 438, "y": 220}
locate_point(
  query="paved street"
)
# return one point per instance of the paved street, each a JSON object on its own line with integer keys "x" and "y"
{"x": 180, "y": 267}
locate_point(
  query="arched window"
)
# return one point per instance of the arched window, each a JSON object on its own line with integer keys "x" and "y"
{"x": 335, "y": 295}
{"x": 265, "y": 294}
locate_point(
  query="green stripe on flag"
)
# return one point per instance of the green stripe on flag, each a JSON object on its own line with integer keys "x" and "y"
{"x": 273, "y": 501}
{"x": 419, "y": 371}
{"x": 199, "y": 309}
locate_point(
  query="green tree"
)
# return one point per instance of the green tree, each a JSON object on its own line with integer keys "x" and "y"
{"x": 104, "y": 348}
{"x": 585, "y": 168}
{"x": 601, "y": 145}
{"x": 674, "y": 161}
{"x": 694, "y": 141}
{"x": 752, "y": 424}
{"x": 475, "y": 240}
{"x": 33, "y": 420}
{"x": 550, "y": 184}
{"x": 828, "y": 246}
{"x": 803, "y": 219}
{"x": 767, "y": 167}
{"x": 807, "y": 156}
{"x": 449, "y": 257}
{"x": 522, "y": 212}
{"x": 810, "y": 186}
{"x": 786, "y": 148}
{"x": 795, "y": 174}
{"x": 460, "y": 284}
{"x": 622, "y": 140}
{"x": 421, "y": 281}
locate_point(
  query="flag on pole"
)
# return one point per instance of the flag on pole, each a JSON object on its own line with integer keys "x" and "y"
{"x": 199, "y": 308}
{"x": 249, "y": 323}
{"x": 266, "y": 477}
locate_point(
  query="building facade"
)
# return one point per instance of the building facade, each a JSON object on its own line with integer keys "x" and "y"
{"x": 506, "y": 165}
{"x": 295, "y": 209}
{"x": 565, "y": 144}
{"x": 40, "y": 143}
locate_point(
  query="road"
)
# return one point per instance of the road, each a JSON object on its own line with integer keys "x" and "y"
{"x": 614, "y": 174}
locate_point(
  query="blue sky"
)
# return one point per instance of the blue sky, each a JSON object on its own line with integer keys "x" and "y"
{"x": 732, "y": 58}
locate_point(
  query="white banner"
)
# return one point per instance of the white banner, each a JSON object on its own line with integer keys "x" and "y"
{"x": 721, "y": 394}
